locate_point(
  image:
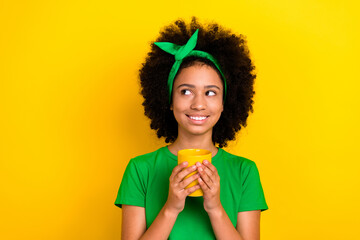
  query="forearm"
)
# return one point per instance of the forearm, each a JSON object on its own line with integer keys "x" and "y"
{"x": 161, "y": 226}
{"x": 222, "y": 225}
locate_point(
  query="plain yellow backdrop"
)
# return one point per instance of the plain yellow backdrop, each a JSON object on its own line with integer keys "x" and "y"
{"x": 71, "y": 114}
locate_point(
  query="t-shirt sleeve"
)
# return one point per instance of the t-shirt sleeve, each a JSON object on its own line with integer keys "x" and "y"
{"x": 252, "y": 192}
{"x": 132, "y": 189}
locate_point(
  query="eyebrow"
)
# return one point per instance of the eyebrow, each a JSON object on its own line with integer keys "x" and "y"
{"x": 193, "y": 86}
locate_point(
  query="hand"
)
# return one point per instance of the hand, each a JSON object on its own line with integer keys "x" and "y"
{"x": 177, "y": 192}
{"x": 209, "y": 182}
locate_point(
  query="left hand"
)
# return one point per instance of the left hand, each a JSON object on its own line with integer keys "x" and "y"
{"x": 209, "y": 182}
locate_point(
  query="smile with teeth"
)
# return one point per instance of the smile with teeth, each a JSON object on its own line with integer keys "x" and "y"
{"x": 197, "y": 118}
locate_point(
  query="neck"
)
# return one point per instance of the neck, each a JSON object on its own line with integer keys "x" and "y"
{"x": 185, "y": 142}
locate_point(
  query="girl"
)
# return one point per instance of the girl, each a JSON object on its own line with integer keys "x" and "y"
{"x": 197, "y": 83}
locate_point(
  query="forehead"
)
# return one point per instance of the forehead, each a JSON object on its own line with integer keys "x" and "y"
{"x": 198, "y": 75}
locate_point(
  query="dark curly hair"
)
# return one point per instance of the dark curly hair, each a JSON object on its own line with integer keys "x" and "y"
{"x": 231, "y": 52}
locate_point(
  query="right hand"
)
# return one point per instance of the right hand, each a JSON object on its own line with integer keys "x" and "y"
{"x": 177, "y": 191}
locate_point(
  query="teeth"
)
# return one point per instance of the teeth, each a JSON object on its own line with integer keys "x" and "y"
{"x": 198, "y": 118}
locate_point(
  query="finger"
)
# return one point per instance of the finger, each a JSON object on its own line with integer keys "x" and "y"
{"x": 203, "y": 185}
{"x": 189, "y": 180}
{"x": 183, "y": 173}
{"x": 192, "y": 189}
{"x": 211, "y": 167}
{"x": 214, "y": 173}
{"x": 177, "y": 169}
{"x": 205, "y": 174}
{"x": 204, "y": 177}
{"x": 209, "y": 173}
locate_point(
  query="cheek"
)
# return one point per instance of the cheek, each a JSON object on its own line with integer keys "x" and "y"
{"x": 217, "y": 107}
{"x": 177, "y": 112}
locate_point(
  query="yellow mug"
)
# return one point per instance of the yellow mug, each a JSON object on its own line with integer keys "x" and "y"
{"x": 192, "y": 156}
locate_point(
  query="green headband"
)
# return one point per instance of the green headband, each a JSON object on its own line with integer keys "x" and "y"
{"x": 182, "y": 52}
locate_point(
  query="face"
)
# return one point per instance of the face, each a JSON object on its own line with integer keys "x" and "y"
{"x": 197, "y": 100}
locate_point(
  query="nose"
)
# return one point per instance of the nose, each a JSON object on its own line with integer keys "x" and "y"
{"x": 198, "y": 103}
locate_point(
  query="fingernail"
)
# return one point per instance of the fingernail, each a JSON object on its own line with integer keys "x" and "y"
{"x": 198, "y": 164}
{"x": 185, "y": 163}
{"x": 205, "y": 161}
{"x": 200, "y": 169}
{"x": 193, "y": 167}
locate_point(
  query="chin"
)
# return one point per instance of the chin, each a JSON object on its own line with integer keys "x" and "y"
{"x": 199, "y": 132}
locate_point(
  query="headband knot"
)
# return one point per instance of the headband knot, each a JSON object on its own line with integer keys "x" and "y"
{"x": 180, "y": 55}
{"x": 181, "y": 52}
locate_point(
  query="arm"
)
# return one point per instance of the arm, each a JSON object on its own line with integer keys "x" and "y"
{"x": 222, "y": 225}
{"x": 248, "y": 224}
{"x": 131, "y": 215}
{"x": 134, "y": 221}
{"x": 209, "y": 182}
{"x": 134, "y": 224}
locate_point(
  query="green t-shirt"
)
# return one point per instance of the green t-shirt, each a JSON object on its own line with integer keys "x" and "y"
{"x": 146, "y": 184}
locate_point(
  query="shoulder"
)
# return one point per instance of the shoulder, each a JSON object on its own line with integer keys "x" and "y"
{"x": 237, "y": 167}
{"x": 149, "y": 160}
{"x": 147, "y": 157}
{"x": 242, "y": 170}
{"x": 141, "y": 165}
{"x": 232, "y": 160}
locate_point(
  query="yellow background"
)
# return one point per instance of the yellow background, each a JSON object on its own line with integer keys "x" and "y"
{"x": 71, "y": 116}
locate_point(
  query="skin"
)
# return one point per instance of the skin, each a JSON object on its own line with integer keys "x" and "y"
{"x": 197, "y": 106}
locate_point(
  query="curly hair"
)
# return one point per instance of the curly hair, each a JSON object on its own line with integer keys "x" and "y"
{"x": 231, "y": 52}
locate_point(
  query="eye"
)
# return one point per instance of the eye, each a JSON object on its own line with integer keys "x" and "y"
{"x": 185, "y": 92}
{"x": 210, "y": 93}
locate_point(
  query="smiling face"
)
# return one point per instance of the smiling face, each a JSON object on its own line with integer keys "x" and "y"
{"x": 197, "y": 100}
